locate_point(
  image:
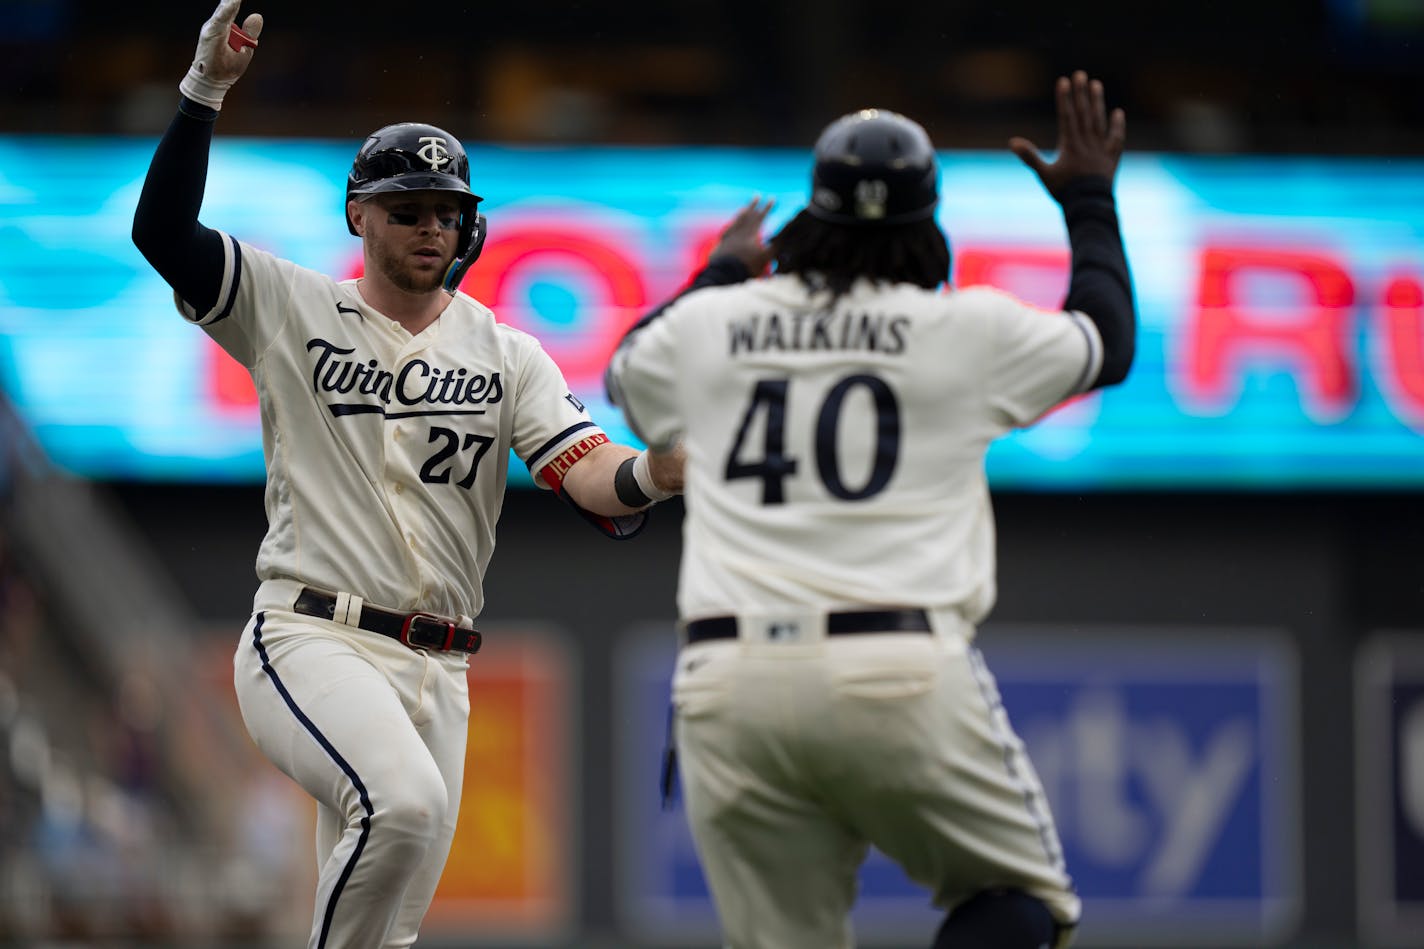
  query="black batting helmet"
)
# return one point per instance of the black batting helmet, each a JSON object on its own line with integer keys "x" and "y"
{"x": 411, "y": 156}
{"x": 874, "y": 167}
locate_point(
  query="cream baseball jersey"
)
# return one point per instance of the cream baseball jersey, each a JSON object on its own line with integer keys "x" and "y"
{"x": 403, "y": 440}
{"x": 836, "y": 453}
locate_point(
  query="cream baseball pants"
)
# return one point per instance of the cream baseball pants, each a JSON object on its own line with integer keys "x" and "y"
{"x": 796, "y": 757}
{"x": 375, "y": 732}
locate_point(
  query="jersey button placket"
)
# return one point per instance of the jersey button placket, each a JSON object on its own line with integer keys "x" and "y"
{"x": 397, "y": 487}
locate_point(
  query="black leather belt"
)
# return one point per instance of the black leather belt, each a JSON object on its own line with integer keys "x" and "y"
{"x": 416, "y": 630}
{"x": 845, "y": 623}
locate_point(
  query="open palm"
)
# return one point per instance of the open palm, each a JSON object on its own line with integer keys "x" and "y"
{"x": 1090, "y": 140}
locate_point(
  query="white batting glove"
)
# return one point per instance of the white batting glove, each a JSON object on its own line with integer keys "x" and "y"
{"x": 217, "y": 65}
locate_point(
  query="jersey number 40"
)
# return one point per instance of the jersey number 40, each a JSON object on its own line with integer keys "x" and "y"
{"x": 774, "y": 466}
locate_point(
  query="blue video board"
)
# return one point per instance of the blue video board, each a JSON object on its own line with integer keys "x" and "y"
{"x": 1281, "y": 299}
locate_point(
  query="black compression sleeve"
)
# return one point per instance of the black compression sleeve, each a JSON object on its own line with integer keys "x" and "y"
{"x": 1100, "y": 285}
{"x": 166, "y": 231}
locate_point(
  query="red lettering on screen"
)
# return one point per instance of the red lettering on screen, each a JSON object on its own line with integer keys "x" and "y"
{"x": 230, "y": 388}
{"x": 1226, "y": 332}
{"x": 1302, "y": 325}
{"x": 356, "y": 267}
{"x": 1037, "y": 276}
{"x": 699, "y": 246}
{"x": 1402, "y": 373}
{"x": 582, "y": 352}
{"x": 699, "y": 243}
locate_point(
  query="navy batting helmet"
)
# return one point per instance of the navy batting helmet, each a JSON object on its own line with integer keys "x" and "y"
{"x": 874, "y": 167}
{"x": 410, "y": 156}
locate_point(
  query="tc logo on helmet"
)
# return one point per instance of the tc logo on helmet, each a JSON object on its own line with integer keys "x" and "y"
{"x": 434, "y": 151}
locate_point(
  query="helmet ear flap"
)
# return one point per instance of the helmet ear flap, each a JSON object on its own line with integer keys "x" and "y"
{"x": 469, "y": 253}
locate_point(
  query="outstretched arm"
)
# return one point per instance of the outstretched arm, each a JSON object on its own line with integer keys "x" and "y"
{"x": 166, "y": 230}
{"x": 1080, "y": 179}
{"x": 615, "y": 480}
{"x": 612, "y": 486}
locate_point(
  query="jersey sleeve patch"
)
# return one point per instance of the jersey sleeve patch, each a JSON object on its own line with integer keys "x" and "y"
{"x": 227, "y": 292}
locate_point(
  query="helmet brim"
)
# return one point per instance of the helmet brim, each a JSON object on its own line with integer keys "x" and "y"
{"x": 433, "y": 181}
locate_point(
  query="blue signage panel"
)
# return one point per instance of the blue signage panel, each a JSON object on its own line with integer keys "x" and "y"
{"x": 1389, "y": 744}
{"x": 1281, "y": 300}
{"x": 1169, "y": 759}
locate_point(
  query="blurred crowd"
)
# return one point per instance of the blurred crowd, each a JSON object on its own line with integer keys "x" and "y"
{"x": 130, "y": 803}
{"x": 83, "y": 822}
{"x": 95, "y": 839}
{"x": 1312, "y": 76}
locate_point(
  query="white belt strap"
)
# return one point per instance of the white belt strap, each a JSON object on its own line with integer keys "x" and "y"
{"x": 348, "y": 609}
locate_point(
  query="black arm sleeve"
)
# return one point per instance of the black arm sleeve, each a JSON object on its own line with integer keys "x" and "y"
{"x": 1100, "y": 286}
{"x": 165, "y": 229}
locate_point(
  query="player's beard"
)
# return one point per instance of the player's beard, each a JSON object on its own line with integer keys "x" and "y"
{"x": 395, "y": 269}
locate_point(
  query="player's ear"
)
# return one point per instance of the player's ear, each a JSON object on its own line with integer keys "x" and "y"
{"x": 356, "y": 214}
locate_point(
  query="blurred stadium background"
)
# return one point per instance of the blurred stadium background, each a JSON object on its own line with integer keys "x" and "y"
{"x": 1211, "y": 620}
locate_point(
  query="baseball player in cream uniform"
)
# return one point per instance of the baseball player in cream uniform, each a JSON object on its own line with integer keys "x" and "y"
{"x": 389, "y": 408}
{"x": 839, "y": 539}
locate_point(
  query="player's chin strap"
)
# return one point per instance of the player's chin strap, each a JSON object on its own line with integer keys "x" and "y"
{"x": 459, "y": 265}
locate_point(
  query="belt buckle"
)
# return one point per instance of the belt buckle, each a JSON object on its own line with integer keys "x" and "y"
{"x": 413, "y": 619}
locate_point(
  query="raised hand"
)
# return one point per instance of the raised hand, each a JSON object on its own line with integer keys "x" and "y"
{"x": 742, "y": 237}
{"x": 1090, "y": 141}
{"x": 217, "y": 65}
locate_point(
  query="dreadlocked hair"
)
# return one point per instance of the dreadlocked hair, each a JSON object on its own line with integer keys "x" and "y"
{"x": 916, "y": 252}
